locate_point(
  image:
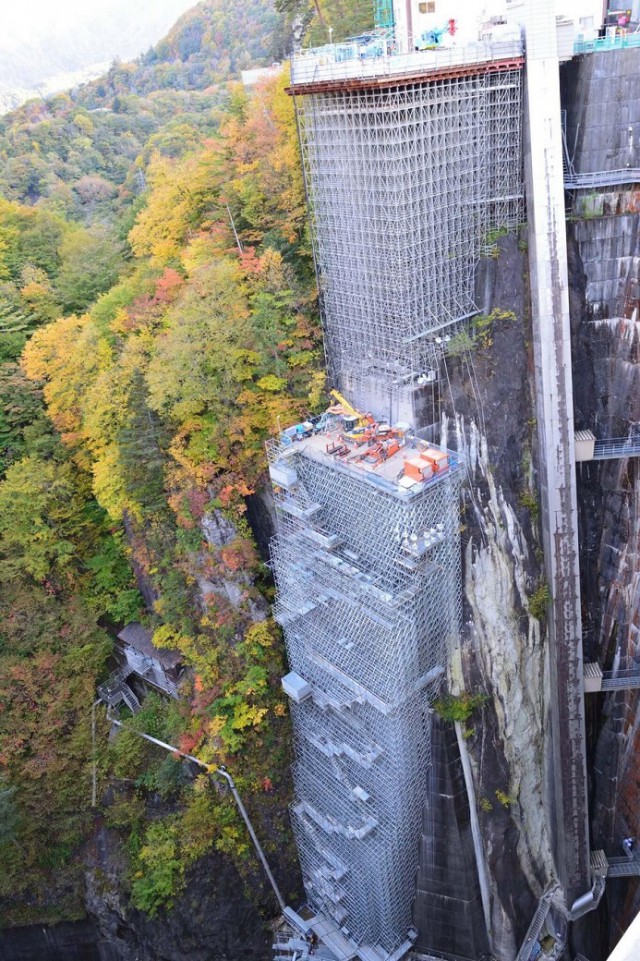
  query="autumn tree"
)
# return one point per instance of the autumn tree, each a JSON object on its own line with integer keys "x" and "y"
{"x": 91, "y": 261}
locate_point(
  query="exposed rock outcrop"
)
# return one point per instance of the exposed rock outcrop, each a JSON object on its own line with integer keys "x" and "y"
{"x": 487, "y": 414}
{"x": 217, "y": 918}
{"x": 503, "y": 650}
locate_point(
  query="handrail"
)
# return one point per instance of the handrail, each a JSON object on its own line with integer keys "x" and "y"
{"x": 624, "y": 680}
{"x": 624, "y": 867}
{"x": 601, "y": 178}
{"x": 621, "y": 42}
{"x": 615, "y": 447}
{"x": 322, "y": 64}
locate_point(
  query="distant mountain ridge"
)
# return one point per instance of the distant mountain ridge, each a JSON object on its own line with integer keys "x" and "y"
{"x": 52, "y": 54}
{"x": 163, "y": 101}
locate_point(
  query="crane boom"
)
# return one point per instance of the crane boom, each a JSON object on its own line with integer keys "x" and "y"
{"x": 349, "y": 408}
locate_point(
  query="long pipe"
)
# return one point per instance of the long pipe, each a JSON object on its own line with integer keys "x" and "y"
{"x": 211, "y": 769}
{"x": 475, "y": 829}
{"x": 94, "y": 771}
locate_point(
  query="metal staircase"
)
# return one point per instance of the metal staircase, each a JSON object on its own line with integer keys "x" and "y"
{"x": 537, "y": 922}
{"x": 115, "y": 691}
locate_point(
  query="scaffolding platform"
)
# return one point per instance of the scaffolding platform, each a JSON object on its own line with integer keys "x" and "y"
{"x": 389, "y": 475}
{"x": 337, "y": 65}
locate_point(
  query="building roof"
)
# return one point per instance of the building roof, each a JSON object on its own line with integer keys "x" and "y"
{"x": 140, "y": 638}
{"x": 257, "y": 74}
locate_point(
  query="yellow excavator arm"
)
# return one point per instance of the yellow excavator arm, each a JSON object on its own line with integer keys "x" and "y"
{"x": 344, "y": 403}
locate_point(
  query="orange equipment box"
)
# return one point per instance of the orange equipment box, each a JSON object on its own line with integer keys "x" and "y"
{"x": 439, "y": 458}
{"x": 418, "y": 468}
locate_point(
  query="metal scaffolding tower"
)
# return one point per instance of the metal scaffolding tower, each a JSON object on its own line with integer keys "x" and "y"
{"x": 368, "y": 577}
{"x": 409, "y": 168}
{"x": 406, "y": 182}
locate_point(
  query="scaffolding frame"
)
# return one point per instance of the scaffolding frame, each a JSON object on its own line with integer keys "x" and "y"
{"x": 405, "y": 183}
{"x": 384, "y": 14}
{"x": 369, "y": 596}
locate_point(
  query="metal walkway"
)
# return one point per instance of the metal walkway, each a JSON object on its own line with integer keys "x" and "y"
{"x": 573, "y": 180}
{"x": 601, "y": 178}
{"x": 613, "y": 448}
{"x": 616, "y": 447}
{"x": 596, "y": 680}
{"x": 624, "y": 867}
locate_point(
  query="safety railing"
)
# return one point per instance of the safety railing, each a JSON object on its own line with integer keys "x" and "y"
{"x": 601, "y": 44}
{"x": 601, "y": 178}
{"x": 348, "y": 62}
{"x": 597, "y": 680}
{"x": 616, "y": 447}
{"x": 115, "y": 691}
{"x": 624, "y": 867}
{"x": 621, "y": 680}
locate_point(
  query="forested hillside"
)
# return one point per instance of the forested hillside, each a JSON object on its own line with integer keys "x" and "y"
{"x": 157, "y": 323}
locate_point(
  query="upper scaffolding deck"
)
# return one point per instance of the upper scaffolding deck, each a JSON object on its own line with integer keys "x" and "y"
{"x": 335, "y": 66}
{"x": 405, "y": 472}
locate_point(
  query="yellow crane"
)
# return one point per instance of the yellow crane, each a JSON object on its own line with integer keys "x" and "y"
{"x": 353, "y": 419}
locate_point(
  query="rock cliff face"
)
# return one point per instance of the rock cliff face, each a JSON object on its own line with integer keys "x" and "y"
{"x": 219, "y": 917}
{"x": 488, "y": 416}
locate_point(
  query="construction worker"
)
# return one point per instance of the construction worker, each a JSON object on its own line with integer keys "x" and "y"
{"x": 627, "y": 846}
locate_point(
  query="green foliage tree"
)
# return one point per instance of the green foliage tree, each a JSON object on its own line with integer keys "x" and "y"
{"x": 9, "y": 815}
{"x": 51, "y": 654}
{"x": 91, "y": 261}
{"x": 40, "y": 510}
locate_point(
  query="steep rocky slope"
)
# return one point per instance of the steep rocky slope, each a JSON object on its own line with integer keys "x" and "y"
{"x": 488, "y": 415}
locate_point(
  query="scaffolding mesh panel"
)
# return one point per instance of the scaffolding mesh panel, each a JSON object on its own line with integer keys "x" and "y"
{"x": 404, "y": 184}
{"x": 368, "y": 595}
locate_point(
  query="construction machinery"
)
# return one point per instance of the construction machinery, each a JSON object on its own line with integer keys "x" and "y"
{"x": 354, "y": 422}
